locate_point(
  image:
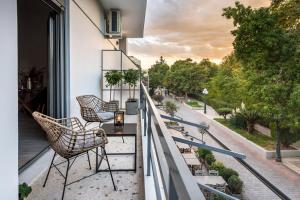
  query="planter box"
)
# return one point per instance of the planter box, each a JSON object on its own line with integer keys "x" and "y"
{"x": 132, "y": 107}
{"x": 194, "y": 108}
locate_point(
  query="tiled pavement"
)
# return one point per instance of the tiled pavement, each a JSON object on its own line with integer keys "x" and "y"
{"x": 99, "y": 186}
{"x": 285, "y": 179}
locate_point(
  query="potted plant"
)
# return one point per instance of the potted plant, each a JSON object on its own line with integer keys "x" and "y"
{"x": 131, "y": 78}
{"x": 24, "y": 191}
{"x": 113, "y": 78}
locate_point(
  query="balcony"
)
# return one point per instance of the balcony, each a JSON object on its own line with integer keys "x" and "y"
{"x": 160, "y": 171}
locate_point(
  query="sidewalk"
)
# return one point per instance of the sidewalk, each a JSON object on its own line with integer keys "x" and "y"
{"x": 282, "y": 177}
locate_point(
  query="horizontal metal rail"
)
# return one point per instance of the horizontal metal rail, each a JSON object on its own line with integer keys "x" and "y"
{"x": 215, "y": 191}
{"x": 208, "y": 147}
{"x": 202, "y": 126}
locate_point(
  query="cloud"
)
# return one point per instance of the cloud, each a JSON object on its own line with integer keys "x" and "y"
{"x": 179, "y": 29}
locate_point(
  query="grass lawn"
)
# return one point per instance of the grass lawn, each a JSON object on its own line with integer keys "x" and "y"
{"x": 194, "y": 104}
{"x": 259, "y": 139}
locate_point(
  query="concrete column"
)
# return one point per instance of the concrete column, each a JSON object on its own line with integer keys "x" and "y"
{"x": 9, "y": 100}
{"x": 123, "y": 45}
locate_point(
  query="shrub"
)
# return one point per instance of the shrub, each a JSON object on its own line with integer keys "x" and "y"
{"x": 238, "y": 121}
{"x": 235, "y": 184}
{"x": 217, "y": 166}
{"x": 227, "y": 172}
{"x": 24, "y": 191}
{"x": 170, "y": 108}
{"x": 203, "y": 152}
{"x": 210, "y": 159}
{"x": 224, "y": 112}
{"x": 158, "y": 98}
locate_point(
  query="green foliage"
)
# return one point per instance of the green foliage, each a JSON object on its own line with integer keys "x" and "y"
{"x": 194, "y": 104}
{"x": 238, "y": 121}
{"x": 170, "y": 108}
{"x": 259, "y": 139}
{"x": 202, "y": 153}
{"x": 188, "y": 77}
{"x": 250, "y": 116}
{"x": 210, "y": 159}
{"x": 226, "y": 173}
{"x": 268, "y": 46}
{"x": 217, "y": 166}
{"x": 235, "y": 184}
{"x": 113, "y": 78}
{"x": 24, "y": 191}
{"x": 131, "y": 78}
{"x": 224, "y": 111}
{"x": 158, "y": 98}
{"x": 288, "y": 12}
{"x": 227, "y": 87}
{"x": 157, "y": 73}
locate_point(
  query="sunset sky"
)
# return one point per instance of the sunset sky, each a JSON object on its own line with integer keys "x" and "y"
{"x": 178, "y": 29}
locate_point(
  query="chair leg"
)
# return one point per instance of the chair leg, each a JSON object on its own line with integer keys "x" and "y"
{"x": 123, "y": 139}
{"x": 88, "y": 156}
{"x": 66, "y": 177}
{"x": 49, "y": 170}
{"x": 109, "y": 169}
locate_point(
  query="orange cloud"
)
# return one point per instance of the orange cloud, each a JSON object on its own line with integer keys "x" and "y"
{"x": 177, "y": 29}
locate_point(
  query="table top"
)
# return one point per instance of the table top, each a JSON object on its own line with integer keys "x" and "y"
{"x": 127, "y": 130}
{"x": 210, "y": 180}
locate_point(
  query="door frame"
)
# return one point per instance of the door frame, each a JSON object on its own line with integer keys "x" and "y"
{"x": 60, "y": 91}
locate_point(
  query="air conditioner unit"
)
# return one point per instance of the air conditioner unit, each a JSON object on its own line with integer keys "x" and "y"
{"x": 113, "y": 24}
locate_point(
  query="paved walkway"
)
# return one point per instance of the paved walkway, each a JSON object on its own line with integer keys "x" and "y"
{"x": 285, "y": 179}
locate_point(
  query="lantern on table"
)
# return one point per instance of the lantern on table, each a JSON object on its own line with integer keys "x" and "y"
{"x": 119, "y": 119}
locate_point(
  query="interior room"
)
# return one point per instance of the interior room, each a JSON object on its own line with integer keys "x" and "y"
{"x": 33, "y": 76}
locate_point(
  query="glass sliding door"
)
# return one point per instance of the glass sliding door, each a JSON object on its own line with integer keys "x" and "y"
{"x": 41, "y": 73}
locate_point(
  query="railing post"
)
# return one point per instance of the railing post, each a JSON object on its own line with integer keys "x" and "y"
{"x": 149, "y": 131}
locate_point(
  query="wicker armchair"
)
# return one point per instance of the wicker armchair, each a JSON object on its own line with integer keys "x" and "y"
{"x": 69, "y": 139}
{"x": 93, "y": 109}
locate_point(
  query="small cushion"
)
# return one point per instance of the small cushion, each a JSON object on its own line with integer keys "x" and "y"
{"x": 106, "y": 115}
{"x": 87, "y": 143}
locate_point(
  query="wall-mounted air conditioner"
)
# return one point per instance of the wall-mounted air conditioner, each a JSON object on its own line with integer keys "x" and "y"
{"x": 113, "y": 24}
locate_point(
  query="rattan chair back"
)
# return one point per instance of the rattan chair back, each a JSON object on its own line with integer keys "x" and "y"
{"x": 68, "y": 137}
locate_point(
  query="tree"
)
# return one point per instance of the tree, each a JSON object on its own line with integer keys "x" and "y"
{"x": 186, "y": 77}
{"x": 170, "y": 108}
{"x": 158, "y": 98}
{"x": 131, "y": 77}
{"x": 224, "y": 112}
{"x": 288, "y": 12}
{"x": 113, "y": 78}
{"x": 269, "y": 54}
{"x": 227, "y": 86}
{"x": 157, "y": 73}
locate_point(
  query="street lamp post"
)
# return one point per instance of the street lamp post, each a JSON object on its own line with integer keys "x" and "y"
{"x": 205, "y": 92}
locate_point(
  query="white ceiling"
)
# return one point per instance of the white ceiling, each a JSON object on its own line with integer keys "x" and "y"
{"x": 133, "y": 15}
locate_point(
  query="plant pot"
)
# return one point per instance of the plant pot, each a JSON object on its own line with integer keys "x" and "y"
{"x": 131, "y": 107}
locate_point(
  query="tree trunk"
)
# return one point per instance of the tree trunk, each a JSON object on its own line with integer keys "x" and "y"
{"x": 250, "y": 127}
{"x": 114, "y": 94}
{"x": 278, "y": 150}
{"x": 129, "y": 92}
{"x": 110, "y": 89}
{"x": 133, "y": 91}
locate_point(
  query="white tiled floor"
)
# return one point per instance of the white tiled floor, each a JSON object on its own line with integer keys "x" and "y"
{"x": 98, "y": 186}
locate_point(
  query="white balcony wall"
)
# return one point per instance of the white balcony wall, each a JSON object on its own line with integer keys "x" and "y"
{"x": 117, "y": 60}
{"x": 9, "y": 100}
{"x": 86, "y": 43}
